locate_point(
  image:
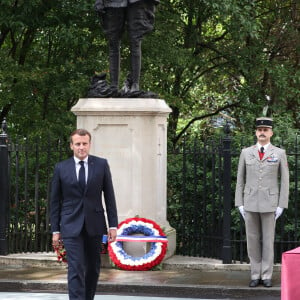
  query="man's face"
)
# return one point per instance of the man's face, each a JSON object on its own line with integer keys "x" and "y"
{"x": 80, "y": 146}
{"x": 263, "y": 135}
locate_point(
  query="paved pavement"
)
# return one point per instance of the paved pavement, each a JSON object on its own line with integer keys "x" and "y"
{"x": 55, "y": 296}
{"x": 59, "y": 296}
{"x": 186, "y": 277}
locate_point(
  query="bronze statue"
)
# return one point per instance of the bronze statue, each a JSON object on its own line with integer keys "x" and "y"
{"x": 137, "y": 16}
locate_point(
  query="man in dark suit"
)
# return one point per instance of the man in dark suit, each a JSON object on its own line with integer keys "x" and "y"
{"x": 77, "y": 213}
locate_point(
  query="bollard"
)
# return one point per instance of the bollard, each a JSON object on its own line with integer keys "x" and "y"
{"x": 226, "y": 250}
{"x": 4, "y": 190}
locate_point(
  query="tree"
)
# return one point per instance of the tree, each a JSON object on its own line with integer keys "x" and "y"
{"x": 49, "y": 50}
{"x": 237, "y": 59}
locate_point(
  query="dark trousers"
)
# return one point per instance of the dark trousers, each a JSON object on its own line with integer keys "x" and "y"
{"x": 139, "y": 20}
{"x": 83, "y": 256}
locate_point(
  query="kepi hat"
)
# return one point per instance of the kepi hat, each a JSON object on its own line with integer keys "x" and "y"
{"x": 264, "y": 122}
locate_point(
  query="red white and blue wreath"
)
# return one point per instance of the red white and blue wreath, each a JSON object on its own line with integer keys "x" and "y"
{"x": 125, "y": 233}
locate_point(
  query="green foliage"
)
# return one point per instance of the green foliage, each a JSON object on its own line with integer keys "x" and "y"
{"x": 49, "y": 51}
{"x": 235, "y": 52}
{"x": 205, "y": 58}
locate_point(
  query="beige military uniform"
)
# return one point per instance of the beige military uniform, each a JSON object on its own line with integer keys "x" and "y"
{"x": 262, "y": 186}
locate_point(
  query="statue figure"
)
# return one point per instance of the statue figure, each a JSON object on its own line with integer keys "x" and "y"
{"x": 137, "y": 16}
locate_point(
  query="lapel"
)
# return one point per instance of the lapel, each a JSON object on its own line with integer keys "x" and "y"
{"x": 71, "y": 166}
{"x": 91, "y": 166}
{"x": 255, "y": 152}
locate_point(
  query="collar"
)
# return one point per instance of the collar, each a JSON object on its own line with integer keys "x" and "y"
{"x": 77, "y": 160}
{"x": 265, "y": 146}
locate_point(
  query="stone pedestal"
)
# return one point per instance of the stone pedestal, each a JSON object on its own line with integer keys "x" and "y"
{"x": 132, "y": 135}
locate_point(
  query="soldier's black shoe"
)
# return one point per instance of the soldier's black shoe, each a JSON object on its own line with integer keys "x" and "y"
{"x": 254, "y": 283}
{"x": 267, "y": 283}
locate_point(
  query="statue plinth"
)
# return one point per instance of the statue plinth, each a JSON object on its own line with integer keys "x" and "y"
{"x": 132, "y": 134}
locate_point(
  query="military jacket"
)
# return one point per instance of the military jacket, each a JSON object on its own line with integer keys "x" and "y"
{"x": 262, "y": 185}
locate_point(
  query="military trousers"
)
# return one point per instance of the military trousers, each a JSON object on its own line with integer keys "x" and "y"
{"x": 260, "y": 233}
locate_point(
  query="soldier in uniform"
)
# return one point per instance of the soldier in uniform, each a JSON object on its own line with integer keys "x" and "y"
{"x": 138, "y": 17}
{"x": 262, "y": 192}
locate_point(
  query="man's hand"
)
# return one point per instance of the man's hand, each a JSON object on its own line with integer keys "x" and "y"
{"x": 278, "y": 212}
{"x": 56, "y": 237}
{"x": 112, "y": 235}
{"x": 242, "y": 211}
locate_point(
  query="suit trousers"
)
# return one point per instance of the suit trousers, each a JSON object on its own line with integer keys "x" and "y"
{"x": 83, "y": 256}
{"x": 260, "y": 232}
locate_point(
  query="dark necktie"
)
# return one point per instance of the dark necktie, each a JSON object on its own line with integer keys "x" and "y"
{"x": 81, "y": 175}
{"x": 262, "y": 150}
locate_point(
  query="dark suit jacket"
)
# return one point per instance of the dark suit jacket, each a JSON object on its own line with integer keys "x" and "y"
{"x": 70, "y": 208}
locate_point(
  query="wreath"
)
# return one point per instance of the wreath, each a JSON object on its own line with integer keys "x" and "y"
{"x": 125, "y": 233}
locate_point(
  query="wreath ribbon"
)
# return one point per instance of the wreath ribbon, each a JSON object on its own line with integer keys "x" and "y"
{"x": 132, "y": 238}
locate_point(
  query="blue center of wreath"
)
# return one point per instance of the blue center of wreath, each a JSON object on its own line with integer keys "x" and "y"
{"x": 138, "y": 229}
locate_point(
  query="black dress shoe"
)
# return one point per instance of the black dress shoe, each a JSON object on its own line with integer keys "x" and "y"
{"x": 267, "y": 283}
{"x": 254, "y": 283}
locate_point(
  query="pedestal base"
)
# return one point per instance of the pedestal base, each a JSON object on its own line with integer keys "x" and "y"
{"x": 132, "y": 135}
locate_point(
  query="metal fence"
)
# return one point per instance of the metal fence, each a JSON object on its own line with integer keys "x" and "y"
{"x": 201, "y": 184}
{"x": 29, "y": 165}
